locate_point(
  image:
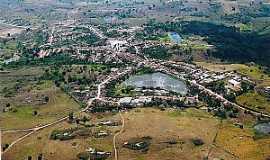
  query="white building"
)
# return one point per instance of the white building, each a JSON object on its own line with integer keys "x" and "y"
{"x": 234, "y": 84}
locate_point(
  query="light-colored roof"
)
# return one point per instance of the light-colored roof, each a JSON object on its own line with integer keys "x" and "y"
{"x": 234, "y": 82}
{"x": 125, "y": 100}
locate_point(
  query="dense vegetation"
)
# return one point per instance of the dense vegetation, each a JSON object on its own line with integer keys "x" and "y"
{"x": 230, "y": 43}
{"x": 158, "y": 52}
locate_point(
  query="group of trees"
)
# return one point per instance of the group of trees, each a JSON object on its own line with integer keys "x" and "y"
{"x": 144, "y": 70}
{"x": 218, "y": 87}
{"x": 91, "y": 39}
{"x": 214, "y": 105}
{"x": 158, "y": 52}
{"x": 230, "y": 43}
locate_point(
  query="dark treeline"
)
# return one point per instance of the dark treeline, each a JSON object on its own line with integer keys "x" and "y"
{"x": 231, "y": 44}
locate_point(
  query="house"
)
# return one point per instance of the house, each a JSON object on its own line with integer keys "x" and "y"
{"x": 101, "y": 134}
{"x": 109, "y": 123}
{"x": 98, "y": 154}
{"x": 114, "y": 69}
{"x": 267, "y": 90}
{"x": 141, "y": 101}
{"x": 192, "y": 100}
{"x": 137, "y": 145}
{"x": 234, "y": 84}
{"x": 125, "y": 101}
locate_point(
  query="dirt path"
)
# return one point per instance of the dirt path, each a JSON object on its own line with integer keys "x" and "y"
{"x": 117, "y": 134}
{"x": 35, "y": 129}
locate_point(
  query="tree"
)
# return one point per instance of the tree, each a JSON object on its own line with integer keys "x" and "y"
{"x": 71, "y": 116}
{"x": 40, "y": 157}
{"x": 20, "y": 47}
{"x": 84, "y": 119}
{"x": 35, "y": 113}
{"x": 218, "y": 87}
{"x": 5, "y": 146}
{"x": 8, "y": 105}
{"x": 197, "y": 142}
{"x": 230, "y": 97}
{"x": 246, "y": 86}
{"x": 46, "y": 99}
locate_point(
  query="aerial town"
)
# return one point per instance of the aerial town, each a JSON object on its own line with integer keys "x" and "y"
{"x": 135, "y": 80}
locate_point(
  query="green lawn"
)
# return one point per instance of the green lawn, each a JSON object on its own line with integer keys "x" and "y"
{"x": 254, "y": 101}
{"x": 58, "y": 106}
{"x": 165, "y": 38}
{"x": 254, "y": 72}
{"x": 189, "y": 112}
{"x": 123, "y": 90}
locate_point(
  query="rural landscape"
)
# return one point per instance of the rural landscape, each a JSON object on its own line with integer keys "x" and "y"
{"x": 135, "y": 79}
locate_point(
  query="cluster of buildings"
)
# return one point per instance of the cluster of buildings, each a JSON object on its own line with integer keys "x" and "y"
{"x": 267, "y": 90}
{"x": 136, "y": 102}
{"x": 141, "y": 101}
{"x": 232, "y": 80}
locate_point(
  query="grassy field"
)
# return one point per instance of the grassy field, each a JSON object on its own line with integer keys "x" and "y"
{"x": 165, "y": 38}
{"x": 8, "y": 138}
{"x": 160, "y": 125}
{"x": 8, "y": 48}
{"x": 240, "y": 142}
{"x": 254, "y": 101}
{"x": 56, "y": 149}
{"x": 168, "y": 125}
{"x": 24, "y": 74}
{"x": 92, "y": 67}
{"x": 220, "y": 67}
{"x": 58, "y": 106}
{"x": 221, "y": 139}
{"x": 264, "y": 83}
{"x": 27, "y": 96}
{"x": 254, "y": 72}
{"x": 40, "y": 143}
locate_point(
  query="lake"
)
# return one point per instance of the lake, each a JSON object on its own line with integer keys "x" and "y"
{"x": 156, "y": 80}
